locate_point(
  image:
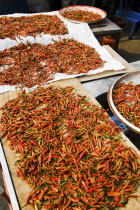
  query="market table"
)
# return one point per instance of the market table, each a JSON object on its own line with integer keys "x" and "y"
{"x": 104, "y": 28}
{"x": 94, "y": 91}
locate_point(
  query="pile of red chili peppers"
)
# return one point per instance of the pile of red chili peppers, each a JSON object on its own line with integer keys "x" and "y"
{"x": 127, "y": 100}
{"x": 27, "y": 65}
{"x": 33, "y": 25}
{"x": 71, "y": 153}
{"x": 82, "y": 15}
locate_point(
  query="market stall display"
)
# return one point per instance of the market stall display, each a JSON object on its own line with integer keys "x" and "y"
{"x": 67, "y": 145}
{"x": 62, "y": 149}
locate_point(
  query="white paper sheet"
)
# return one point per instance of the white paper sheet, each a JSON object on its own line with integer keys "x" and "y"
{"x": 80, "y": 32}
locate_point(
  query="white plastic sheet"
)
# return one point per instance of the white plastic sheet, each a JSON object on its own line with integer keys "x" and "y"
{"x": 80, "y": 32}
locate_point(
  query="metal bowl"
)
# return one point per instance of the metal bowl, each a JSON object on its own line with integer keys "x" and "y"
{"x": 83, "y": 8}
{"x": 135, "y": 78}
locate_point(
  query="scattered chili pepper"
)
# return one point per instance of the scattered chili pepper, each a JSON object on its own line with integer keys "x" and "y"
{"x": 35, "y": 64}
{"x": 82, "y": 174}
{"x": 127, "y": 100}
{"x": 32, "y": 25}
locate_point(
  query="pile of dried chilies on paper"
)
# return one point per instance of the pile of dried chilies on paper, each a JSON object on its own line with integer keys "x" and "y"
{"x": 127, "y": 100}
{"x": 35, "y": 64}
{"x": 12, "y": 27}
{"x": 71, "y": 153}
{"x": 82, "y": 15}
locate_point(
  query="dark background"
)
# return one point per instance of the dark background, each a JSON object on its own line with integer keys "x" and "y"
{"x": 13, "y": 6}
{"x": 21, "y": 6}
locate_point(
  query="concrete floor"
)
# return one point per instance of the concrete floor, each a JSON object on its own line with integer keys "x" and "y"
{"x": 129, "y": 50}
{"x": 3, "y": 202}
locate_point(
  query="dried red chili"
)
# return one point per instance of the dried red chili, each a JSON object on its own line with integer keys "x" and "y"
{"x": 32, "y": 25}
{"x": 35, "y": 64}
{"x": 68, "y": 152}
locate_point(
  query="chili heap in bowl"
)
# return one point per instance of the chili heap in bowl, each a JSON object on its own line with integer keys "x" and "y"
{"x": 127, "y": 100}
{"x": 81, "y": 15}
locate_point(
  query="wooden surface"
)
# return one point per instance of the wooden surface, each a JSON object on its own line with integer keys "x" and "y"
{"x": 22, "y": 189}
{"x": 116, "y": 56}
{"x": 108, "y": 28}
